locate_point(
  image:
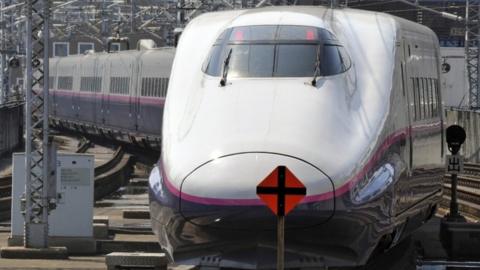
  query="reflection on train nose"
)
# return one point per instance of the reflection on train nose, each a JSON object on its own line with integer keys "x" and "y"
{"x": 223, "y": 193}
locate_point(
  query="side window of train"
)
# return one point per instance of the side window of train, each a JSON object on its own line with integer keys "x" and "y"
{"x": 432, "y": 97}
{"x": 427, "y": 98}
{"x": 347, "y": 63}
{"x": 415, "y": 99}
{"x": 418, "y": 104}
{"x": 437, "y": 98}
{"x": 65, "y": 82}
{"x": 154, "y": 87}
{"x": 167, "y": 80}
{"x": 51, "y": 82}
{"x": 91, "y": 84}
{"x": 120, "y": 85}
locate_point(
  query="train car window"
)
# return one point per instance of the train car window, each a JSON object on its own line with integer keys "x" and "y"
{"x": 83, "y": 84}
{"x": 421, "y": 113}
{"x": 252, "y": 61}
{"x": 429, "y": 97}
{"x": 331, "y": 61}
{"x": 212, "y": 64}
{"x": 278, "y": 51}
{"x": 425, "y": 98}
{"x": 51, "y": 82}
{"x": 420, "y": 99}
{"x": 295, "y": 60}
{"x": 248, "y": 33}
{"x": 99, "y": 84}
{"x": 144, "y": 87}
{"x": 120, "y": 85}
{"x": 159, "y": 87}
{"x": 435, "y": 94}
{"x": 434, "y": 105}
{"x": 166, "y": 86}
{"x": 65, "y": 82}
{"x": 415, "y": 100}
{"x": 149, "y": 87}
{"x": 434, "y": 99}
{"x": 428, "y": 101}
{"x": 345, "y": 58}
{"x": 153, "y": 87}
{"x": 91, "y": 84}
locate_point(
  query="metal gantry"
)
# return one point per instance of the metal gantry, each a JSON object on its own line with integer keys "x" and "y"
{"x": 472, "y": 42}
{"x": 36, "y": 124}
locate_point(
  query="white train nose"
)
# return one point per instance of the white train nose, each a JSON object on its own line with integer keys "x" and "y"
{"x": 222, "y": 192}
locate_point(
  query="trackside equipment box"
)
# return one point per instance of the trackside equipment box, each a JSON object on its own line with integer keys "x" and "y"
{"x": 73, "y": 216}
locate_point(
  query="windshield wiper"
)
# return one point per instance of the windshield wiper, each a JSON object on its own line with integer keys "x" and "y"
{"x": 226, "y": 64}
{"x": 317, "y": 67}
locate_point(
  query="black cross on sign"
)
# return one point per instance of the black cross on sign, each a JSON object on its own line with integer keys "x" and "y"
{"x": 281, "y": 191}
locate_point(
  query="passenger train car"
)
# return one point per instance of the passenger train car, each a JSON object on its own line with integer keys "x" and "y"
{"x": 348, "y": 100}
{"x": 118, "y": 95}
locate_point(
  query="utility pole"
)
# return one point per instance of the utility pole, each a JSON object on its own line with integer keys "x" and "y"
{"x": 180, "y": 13}
{"x": 105, "y": 24}
{"x": 472, "y": 39}
{"x": 36, "y": 124}
{"x": 3, "y": 57}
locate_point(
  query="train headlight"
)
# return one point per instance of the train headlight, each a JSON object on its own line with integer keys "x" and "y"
{"x": 375, "y": 185}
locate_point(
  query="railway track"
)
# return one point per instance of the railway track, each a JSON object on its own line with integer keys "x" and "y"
{"x": 108, "y": 177}
{"x": 468, "y": 191}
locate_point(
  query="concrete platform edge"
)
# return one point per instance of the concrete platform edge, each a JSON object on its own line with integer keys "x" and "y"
{"x": 74, "y": 245}
{"x": 51, "y": 253}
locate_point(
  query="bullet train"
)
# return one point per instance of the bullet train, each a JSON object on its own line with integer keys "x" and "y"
{"x": 348, "y": 100}
{"x": 117, "y": 95}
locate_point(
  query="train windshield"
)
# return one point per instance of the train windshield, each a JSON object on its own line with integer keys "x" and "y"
{"x": 277, "y": 51}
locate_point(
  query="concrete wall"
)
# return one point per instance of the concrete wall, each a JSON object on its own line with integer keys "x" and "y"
{"x": 11, "y": 130}
{"x": 470, "y": 121}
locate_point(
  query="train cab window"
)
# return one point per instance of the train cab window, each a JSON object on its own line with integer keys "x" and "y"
{"x": 251, "y": 61}
{"x": 331, "y": 63}
{"x": 277, "y": 51}
{"x": 291, "y": 61}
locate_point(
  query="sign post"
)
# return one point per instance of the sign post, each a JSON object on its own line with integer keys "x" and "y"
{"x": 281, "y": 191}
{"x": 455, "y": 138}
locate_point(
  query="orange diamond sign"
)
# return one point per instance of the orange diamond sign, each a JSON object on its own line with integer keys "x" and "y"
{"x": 281, "y": 191}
